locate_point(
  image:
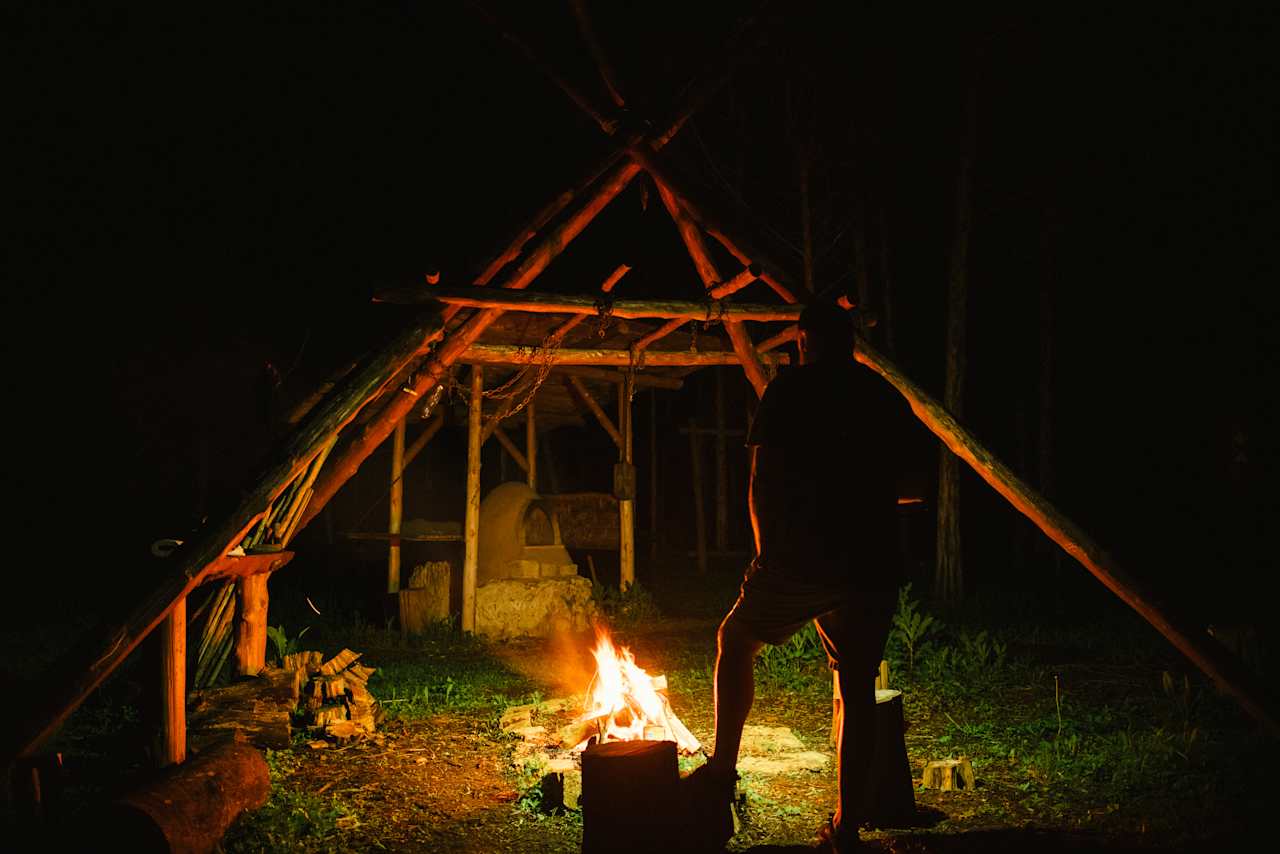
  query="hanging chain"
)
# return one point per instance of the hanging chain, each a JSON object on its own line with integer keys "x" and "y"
{"x": 604, "y": 308}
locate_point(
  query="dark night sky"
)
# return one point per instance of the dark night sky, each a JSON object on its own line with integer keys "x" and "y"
{"x": 197, "y": 194}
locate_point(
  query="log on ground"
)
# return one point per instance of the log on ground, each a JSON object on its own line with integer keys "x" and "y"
{"x": 188, "y": 807}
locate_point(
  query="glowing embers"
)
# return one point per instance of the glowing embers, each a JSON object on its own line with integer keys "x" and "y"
{"x": 623, "y": 703}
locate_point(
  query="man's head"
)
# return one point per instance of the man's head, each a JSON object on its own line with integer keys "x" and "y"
{"x": 826, "y": 331}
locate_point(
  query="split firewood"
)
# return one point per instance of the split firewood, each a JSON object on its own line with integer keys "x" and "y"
{"x": 339, "y": 662}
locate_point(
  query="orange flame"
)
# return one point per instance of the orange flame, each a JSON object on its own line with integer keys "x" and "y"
{"x": 627, "y": 703}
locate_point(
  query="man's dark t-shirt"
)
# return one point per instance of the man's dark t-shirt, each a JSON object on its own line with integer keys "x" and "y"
{"x": 840, "y": 429}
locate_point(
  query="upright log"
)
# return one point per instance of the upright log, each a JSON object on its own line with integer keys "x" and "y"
{"x": 653, "y": 480}
{"x": 699, "y": 517}
{"x": 173, "y": 686}
{"x": 397, "y": 507}
{"x": 74, "y": 676}
{"x": 531, "y": 445}
{"x": 471, "y": 534}
{"x": 251, "y": 627}
{"x": 1207, "y": 654}
{"x": 627, "y": 503}
{"x": 722, "y": 470}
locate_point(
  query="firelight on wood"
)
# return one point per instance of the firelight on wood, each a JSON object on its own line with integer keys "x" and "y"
{"x": 624, "y": 703}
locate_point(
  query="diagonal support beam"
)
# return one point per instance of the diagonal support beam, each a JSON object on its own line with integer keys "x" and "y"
{"x": 711, "y": 279}
{"x": 582, "y": 396}
{"x": 515, "y": 452}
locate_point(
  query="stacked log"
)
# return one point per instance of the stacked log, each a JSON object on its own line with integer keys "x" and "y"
{"x": 335, "y": 696}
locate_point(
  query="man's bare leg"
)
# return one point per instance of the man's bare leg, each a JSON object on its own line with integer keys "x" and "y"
{"x": 855, "y": 748}
{"x": 735, "y": 689}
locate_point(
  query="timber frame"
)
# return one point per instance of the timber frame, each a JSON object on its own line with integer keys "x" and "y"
{"x": 450, "y": 326}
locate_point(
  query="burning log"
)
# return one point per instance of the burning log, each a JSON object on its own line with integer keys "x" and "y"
{"x": 626, "y": 704}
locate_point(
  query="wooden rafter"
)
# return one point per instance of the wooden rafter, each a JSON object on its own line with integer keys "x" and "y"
{"x": 509, "y": 354}
{"x": 713, "y": 309}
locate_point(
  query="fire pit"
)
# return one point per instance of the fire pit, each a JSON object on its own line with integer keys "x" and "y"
{"x": 622, "y": 705}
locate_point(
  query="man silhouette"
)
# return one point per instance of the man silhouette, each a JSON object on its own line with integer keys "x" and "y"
{"x": 823, "y": 500}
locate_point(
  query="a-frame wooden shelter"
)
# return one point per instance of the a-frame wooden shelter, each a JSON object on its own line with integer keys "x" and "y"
{"x": 466, "y": 325}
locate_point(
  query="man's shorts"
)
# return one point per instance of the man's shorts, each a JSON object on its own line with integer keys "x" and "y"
{"x": 773, "y": 604}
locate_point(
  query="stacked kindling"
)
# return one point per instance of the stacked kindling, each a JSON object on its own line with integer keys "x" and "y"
{"x": 335, "y": 697}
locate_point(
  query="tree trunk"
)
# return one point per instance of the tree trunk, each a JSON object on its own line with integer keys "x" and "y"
{"x": 948, "y": 579}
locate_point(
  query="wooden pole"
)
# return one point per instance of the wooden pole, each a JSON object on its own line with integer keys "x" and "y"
{"x": 531, "y": 445}
{"x": 653, "y": 480}
{"x": 173, "y": 686}
{"x": 511, "y": 448}
{"x": 397, "y": 507}
{"x": 506, "y": 354}
{"x": 251, "y": 627}
{"x": 457, "y": 342}
{"x": 428, "y": 433}
{"x": 710, "y": 276}
{"x": 699, "y": 520}
{"x": 1206, "y": 653}
{"x": 714, "y": 220}
{"x": 537, "y": 302}
{"x": 626, "y": 506}
{"x": 787, "y": 335}
{"x": 472, "y": 533}
{"x": 607, "y": 74}
{"x": 578, "y": 391}
{"x": 722, "y": 470}
{"x": 608, "y": 376}
{"x": 605, "y": 181}
{"x": 83, "y": 668}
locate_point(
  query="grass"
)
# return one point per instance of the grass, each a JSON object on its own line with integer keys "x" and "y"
{"x": 1065, "y": 721}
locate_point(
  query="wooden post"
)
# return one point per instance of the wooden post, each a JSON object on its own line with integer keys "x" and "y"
{"x": 699, "y": 521}
{"x": 722, "y": 470}
{"x": 173, "y": 686}
{"x": 397, "y": 507}
{"x": 531, "y": 445}
{"x": 251, "y": 630}
{"x": 471, "y": 551}
{"x": 626, "y": 506}
{"x": 653, "y": 479}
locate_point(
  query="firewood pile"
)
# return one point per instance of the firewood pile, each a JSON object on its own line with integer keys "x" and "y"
{"x": 334, "y": 695}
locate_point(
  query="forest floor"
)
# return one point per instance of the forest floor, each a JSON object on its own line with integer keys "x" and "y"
{"x": 1082, "y": 737}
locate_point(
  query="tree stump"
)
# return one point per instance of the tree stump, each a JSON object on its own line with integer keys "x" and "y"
{"x": 426, "y": 601}
{"x": 893, "y": 803}
{"x": 629, "y": 797}
{"x": 949, "y": 775}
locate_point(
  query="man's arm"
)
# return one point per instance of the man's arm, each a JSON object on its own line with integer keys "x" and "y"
{"x": 764, "y": 489}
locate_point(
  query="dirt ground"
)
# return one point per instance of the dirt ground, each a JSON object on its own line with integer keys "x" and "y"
{"x": 446, "y": 783}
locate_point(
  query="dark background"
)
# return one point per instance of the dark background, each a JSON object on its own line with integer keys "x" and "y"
{"x": 202, "y": 202}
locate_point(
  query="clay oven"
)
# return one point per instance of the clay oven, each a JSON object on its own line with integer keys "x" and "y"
{"x": 527, "y": 583}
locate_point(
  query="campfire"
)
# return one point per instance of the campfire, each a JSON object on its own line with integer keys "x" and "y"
{"x": 624, "y": 703}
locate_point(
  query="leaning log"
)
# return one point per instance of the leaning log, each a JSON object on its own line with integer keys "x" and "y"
{"x": 186, "y": 809}
{"x": 1195, "y": 644}
{"x": 84, "y": 668}
{"x": 609, "y": 179}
